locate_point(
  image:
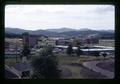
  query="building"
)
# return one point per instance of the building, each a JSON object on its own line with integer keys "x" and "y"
{"x": 78, "y": 41}
{"x": 63, "y": 42}
{"x": 107, "y": 42}
{"x": 44, "y": 41}
{"x": 7, "y": 45}
{"x": 29, "y": 40}
{"x": 91, "y": 40}
{"x": 33, "y": 41}
{"x": 13, "y": 47}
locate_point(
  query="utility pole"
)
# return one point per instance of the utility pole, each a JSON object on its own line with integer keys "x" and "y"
{"x": 88, "y": 45}
{"x": 16, "y": 50}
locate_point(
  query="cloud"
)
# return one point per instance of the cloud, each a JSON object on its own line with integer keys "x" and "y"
{"x": 104, "y": 9}
{"x": 49, "y": 16}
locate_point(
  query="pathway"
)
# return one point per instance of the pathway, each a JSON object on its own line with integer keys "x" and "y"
{"x": 92, "y": 66}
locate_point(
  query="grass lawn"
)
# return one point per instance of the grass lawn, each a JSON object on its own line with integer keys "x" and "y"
{"x": 75, "y": 70}
{"x": 65, "y": 61}
{"x": 11, "y": 61}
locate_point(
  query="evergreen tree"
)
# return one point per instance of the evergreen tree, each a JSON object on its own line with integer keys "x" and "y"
{"x": 104, "y": 54}
{"x": 78, "y": 51}
{"x": 69, "y": 49}
{"x": 96, "y": 54}
{"x": 25, "y": 52}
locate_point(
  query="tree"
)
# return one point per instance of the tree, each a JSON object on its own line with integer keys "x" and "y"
{"x": 56, "y": 42}
{"x": 104, "y": 54}
{"x": 96, "y": 53}
{"x": 45, "y": 66}
{"x": 25, "y": 52}
{"x": 78, "y": 51}
{"x": 69, "y": 49}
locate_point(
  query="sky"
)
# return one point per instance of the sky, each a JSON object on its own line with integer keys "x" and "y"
{"x": 35, "y": 17}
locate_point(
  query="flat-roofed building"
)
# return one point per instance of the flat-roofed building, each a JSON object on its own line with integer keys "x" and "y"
{"x": 107, "y": 42}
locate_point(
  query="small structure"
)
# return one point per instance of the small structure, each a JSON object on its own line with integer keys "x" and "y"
{"x": 24, "y": 59}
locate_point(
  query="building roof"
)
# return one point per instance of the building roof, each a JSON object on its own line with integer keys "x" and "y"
{"x": 9, "y": 73}
{"x": 104, "y": 48}
{"x": 23, "y": 66}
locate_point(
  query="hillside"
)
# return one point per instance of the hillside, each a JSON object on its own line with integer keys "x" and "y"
{"x": 67, "y": 33}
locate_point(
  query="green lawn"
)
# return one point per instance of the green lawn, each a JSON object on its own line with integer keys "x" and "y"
{"x": 11, "y": 61}
{"x": 75, "y": 71}
{"x": 65, "y": 61}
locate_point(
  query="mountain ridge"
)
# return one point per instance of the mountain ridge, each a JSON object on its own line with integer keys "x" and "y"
{"x": 66, "y": 33}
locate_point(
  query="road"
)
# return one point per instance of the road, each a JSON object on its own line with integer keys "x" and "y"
{"x": 92, "y": 65}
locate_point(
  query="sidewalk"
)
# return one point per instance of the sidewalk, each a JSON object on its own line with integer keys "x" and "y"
{"x": 92, "y": 66}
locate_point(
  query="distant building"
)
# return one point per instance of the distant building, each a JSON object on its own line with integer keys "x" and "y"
{"x": 7, "y": 45}
{"x": 13, "y": 43}
{"x": 95, "y": 40}
{"x": 91, "y": 40}
{"x": 78, "y": 42}
{"x": 29, "y": 40}
{"x": 32, "y": 41}
{"x": 43, "y": 41}
{"x": 63, "y": 42}
{"x": 106, "y": 42}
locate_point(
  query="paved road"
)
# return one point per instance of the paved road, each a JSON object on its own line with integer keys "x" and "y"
{"x": 92, "y": 65}
{"x": 107, "y": 65}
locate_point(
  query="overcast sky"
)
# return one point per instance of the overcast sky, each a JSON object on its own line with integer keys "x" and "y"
{"x": 33, "y": 17}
